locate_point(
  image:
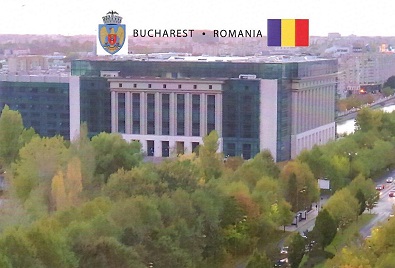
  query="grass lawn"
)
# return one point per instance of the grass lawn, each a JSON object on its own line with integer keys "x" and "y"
{"x": 268, "y": 245}
{"x": 341, "y": 239}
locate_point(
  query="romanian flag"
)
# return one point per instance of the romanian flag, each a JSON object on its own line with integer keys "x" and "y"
{"x": 288, "y": 32}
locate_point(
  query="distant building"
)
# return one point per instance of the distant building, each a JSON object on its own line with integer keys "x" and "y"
{"x": 370, "y": 68}
{"x": 332, "y": 36}
{"x": 27, "y": 63}
{"x": 42, "y": 100}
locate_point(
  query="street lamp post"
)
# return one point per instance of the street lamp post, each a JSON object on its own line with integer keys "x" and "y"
{"x": 351, "y": 155}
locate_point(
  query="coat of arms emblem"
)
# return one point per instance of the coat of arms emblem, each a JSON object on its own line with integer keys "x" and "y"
{"x": 112, "y": 32}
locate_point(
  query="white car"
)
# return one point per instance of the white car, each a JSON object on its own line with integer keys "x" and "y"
{"x": 284, "y": 250}
{"x": 390, "y": 180}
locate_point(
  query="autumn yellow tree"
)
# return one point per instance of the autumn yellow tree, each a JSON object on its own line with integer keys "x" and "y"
{"x": 73, "y": 182}
{"x": 58, "y": 192}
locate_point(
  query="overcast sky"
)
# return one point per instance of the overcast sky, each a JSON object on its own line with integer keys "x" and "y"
{"x": 71, "y": 17}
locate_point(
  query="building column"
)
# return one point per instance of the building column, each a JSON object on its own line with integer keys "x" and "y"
{"x": 114, "y": 112}
{"x": 188, "y": 147}
{"x": 172, "y": 114}
{"x": 128, "y": 113}
{"x": 218, "y": 114}
{"x": 143, "y": 113}
{"x": 315, "y": 108}
{"x": 310, "y": 109}
{"x": 158, "y": 113}
{"x": 172, "y": 148}
{"x": 188, "y": 115}
{"x": 158, "y": 148}
{"x": 304, "y": 111}
{"x": 294, "y": 112}
{"x": 203, "y": 114}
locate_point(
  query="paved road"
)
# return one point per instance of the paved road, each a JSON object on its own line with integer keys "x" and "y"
{"x": 385, "y": 206}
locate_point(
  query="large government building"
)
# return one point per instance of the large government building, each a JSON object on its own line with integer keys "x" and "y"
{"x": 170, "y": 102}
{"x": 284, "y": 104}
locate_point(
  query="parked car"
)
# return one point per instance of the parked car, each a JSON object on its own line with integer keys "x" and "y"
{"x": 390, "y": 180}
{"x": 392, "y": 193}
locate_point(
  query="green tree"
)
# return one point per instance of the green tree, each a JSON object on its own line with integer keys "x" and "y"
{"x": 388, "y": 91}
{"x": 296, "y": 250}
{"x": 179, "y": 174}
{"x": 343, "y": 206}
{"x": 51, "y": 247}
{"x": 82, "y": 148}
{"x": 39, "y": 160}
{"x": 361, "y": 201}
{"x": 107, "y": 252}
{"x": 11, "y": 127}
{"x": 19, "y": 250}
{"x": 253, "y": 170}
{"x": 368, "y": 119}
{"x": 142, "y": 180}
{"x": 210, "y": 161}
{"x": 390, "y": 82}
{"x": 350, "y": 257}
{"x": 284, "y": 214}
{"x": 315, "y": 160}
{"x": 258, "y": 260}
{"x": 386, "y": 261}
{"x": 234, "y": 162}
{"x": 366, "y": 186}
{"x": 299, "y": 184}
{"x": 372, "y": 200}
{"x": 325, "y": 229}
{"x": 112, "y": 152}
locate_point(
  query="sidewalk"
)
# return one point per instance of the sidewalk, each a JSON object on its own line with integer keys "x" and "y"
{"x": 308, "y": 223}
{"x": 303, "y": 225}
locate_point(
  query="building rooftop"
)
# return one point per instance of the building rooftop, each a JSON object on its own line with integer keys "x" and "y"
{"x": 172, "y": 57}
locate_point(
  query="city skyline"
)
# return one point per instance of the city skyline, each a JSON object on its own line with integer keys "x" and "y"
{"x": 82, "y": 17}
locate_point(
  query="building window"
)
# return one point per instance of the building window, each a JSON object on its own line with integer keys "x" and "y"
{"x": 134, "y": 85}
{"x": 210, "y": 113}
{"x": 164, "y": 85}
{"x": 231, "y": 149}
{"x": 179, "y": 86}
{"x": 194, "y": 86}
{"x": 149, "y": 85}
{"x": 195, "y": 147}
{"x": 196, "y": 115}
{"x": 246, "y": 151}
{"x": 210, "y": 86}
{"x": 180, "y": 147}
{"x": 180, "y": 114}
{"x": 150, "y": 114}
{"x": 165, "y": 114}
{"x": 120, "y": 84}
{"x": 121, "y": 112}
{"x": 150, "y": 147}
{"x": 165, "y": 149}
{"x": 136, "y": 113}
